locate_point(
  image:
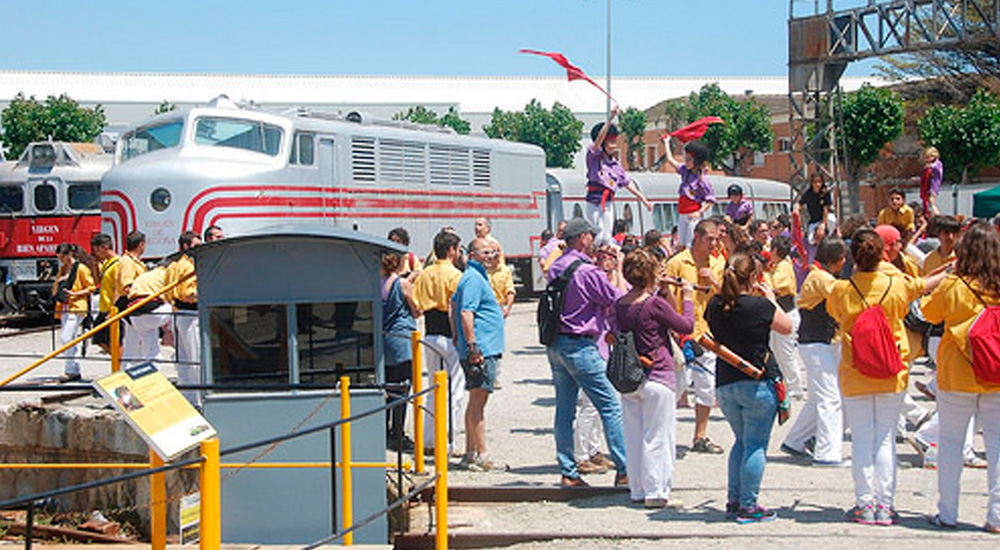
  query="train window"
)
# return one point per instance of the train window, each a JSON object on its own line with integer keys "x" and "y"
{"x": 303, "y": 150}
{"x": 250, "y": 135}
{"x": 11, "y": 199}
{"x": 628, "y": 217}
{"x": 334, "y": 340}
{"x": 84, "y": 196}
{"x": 577, "y": 211}
{"x": 249, "y": 344}
{"x": 45, "y": 197}
{"x": 151, "y": 138}
{"x": 664, "y": 217}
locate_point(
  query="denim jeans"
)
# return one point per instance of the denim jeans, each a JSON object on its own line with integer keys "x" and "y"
{"x": 749, "y": 406}
{"x": 577, "y": 365}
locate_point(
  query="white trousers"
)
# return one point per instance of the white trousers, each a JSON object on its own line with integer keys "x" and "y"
{"x": 786, "y": 353}
{"x": 929, "y": 434}
{"x": 440, "y": 354}
{"x": 142, "y": 337}
{"x": 649, "y": 420}
{"x": 912, "y": 411}
{"x": 603, "y": 220}
{"x": 873, "y": 420}
{"x": 822, "y": 416}
{"x": 589, "y": 430}
{"x": 955, "y": 410}
{"x": 69, "y": 325}
{"x": 685, "y": 229}
{"x": 700, "y": 375}
{"x": 188, "y": 353}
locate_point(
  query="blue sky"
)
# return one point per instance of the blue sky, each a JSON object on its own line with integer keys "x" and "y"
{"x": 371, "y": 37}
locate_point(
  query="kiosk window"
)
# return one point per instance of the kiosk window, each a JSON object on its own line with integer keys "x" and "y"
{"x": 334, "y": 340}
{"x": 249, "y": 346}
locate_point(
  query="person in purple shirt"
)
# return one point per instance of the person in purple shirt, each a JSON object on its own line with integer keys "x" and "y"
{"x": 739, "y": 210}
{"x": 574, "y": 358}
{"x": 695, "y": 195}
{"x": 605, "y": 176}
{"x": 930, "y": 180}
{"x": 650, "y": 411}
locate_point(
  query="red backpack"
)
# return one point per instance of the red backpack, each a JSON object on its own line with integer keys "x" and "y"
{"x": 984, "y": 341}
{"x": 873, "y": 344}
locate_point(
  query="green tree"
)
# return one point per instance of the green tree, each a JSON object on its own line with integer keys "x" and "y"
{"x": 633, "y": 122}
{"x": 747, "y": 129}
{"x": 968, "y": 138}
{"x": 556, "y": 131}
{"x": 872, "y": 117}
{"x": 59, "y": 118}
{"x": 164, "y": 107}
{"x": 423, "y": 115}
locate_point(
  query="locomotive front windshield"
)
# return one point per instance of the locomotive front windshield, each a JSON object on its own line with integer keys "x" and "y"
{"x": 250, "y": 135}
{"x": 11, "y": 199}
{"x": 151, "y": 138}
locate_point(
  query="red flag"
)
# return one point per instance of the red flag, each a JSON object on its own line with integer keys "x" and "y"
{"x": 572, "y": 71}
{"x": 694, "y": 130}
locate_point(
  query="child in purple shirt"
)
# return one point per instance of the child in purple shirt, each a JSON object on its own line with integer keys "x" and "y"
{"x": 605, "y": 176}
{"x": 739, "y": 210}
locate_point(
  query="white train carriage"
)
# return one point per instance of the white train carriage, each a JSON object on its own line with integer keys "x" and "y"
{"x": 242, "y": 168}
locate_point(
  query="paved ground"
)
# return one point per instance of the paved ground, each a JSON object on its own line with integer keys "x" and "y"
{"x": 810, "y": 502}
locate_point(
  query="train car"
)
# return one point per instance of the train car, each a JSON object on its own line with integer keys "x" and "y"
{"x": 50, "y": 195}
{"x": 769, "y": 198}
{"x": 242, "y": 168}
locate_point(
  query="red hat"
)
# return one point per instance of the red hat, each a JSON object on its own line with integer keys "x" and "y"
{"x": 888, "y": 233}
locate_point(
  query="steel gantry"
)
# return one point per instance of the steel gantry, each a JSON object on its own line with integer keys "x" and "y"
{"x": 822, "y": 43}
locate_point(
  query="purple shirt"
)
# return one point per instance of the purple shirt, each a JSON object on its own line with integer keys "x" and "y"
{"x": 651, "y": 320}
{"x": 739, "y": 211}
{"x": 588, "y": 294}
{"x": 937, "y": 174}
{"x": 605, "y": 171}
{"x": 694, "y": 186}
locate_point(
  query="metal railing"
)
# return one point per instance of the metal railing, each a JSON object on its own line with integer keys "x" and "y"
{"x": 210, "y": 465}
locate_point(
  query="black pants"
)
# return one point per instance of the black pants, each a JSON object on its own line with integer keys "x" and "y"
{"x": 398, "y": 374}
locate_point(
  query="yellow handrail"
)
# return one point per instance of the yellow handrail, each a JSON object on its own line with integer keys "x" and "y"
{"x": 96, "y": 329}
{"x": 441, "y": 458}
{"x": 224, "y": 465}
{"x": 347, "y": 479}
{"x": 211, "y": 496}
{"x": 417, "y": 377}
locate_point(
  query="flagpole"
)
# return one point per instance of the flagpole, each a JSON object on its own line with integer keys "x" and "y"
{"x": 607, "y": 85}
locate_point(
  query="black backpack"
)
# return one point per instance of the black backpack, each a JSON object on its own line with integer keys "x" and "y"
{"x": 550, "y": 306}
{"x": 625, "y": 369}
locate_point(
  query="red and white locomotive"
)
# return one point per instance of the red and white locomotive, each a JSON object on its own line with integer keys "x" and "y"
{"x": 242, "y": 168}
{"x": 50, "y": 195}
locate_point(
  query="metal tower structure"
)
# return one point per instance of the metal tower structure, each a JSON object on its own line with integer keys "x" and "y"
{"x": 823, "y": 42}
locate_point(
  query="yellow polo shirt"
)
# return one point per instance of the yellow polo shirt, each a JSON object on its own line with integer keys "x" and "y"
{"x": 434, "y": 286}
{"x": 186, "y": 291}
{"x": 502, "y": 283}
{"x": 957, "y": 307}
{"x": 128, "y": 269}
{"x": 684, "y": 266}
{"x": 844, "y": 305}
{"x": 783, "y": 279}
{"x": 84, "y": 281}
{"x": 816, "y": 288}
{"x": 149, "y": 283}
{"x": 108, "y": 281}
{"x": 935, "y": 260}
{"x": 898, "y": 218}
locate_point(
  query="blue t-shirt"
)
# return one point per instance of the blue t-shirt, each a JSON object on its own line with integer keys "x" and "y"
{"x": 397, "y": 325}
{"x": 474, "y": 294}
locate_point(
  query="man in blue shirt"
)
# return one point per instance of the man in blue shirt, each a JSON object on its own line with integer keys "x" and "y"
{"x": 477, "y": 323}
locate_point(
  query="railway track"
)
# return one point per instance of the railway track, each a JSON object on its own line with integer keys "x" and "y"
{"x": 18, "y": 324}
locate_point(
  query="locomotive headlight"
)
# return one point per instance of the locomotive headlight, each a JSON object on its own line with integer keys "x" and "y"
{"x": 159, "y": 199}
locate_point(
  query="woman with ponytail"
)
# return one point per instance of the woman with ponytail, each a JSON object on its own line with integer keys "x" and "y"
{"x": 71, "y": 290}
{"x": 742, "y": 321}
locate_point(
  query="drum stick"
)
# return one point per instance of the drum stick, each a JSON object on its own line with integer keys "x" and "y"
{"x": 678, "y": 282}
{"x": 730, "y": 358}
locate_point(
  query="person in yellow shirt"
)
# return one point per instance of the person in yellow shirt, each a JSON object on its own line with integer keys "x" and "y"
{"x": 129, "y": 267}
{"x": 785, "y": 287}
{"x": 873, "y": 405}
{"x": 142, "y": 335}
{"x": 432, "y": 292}
{"x": 897, "y": 214}
{"x": 102, "y": 248}
{"x": 72, "y": 289}
{"x": 699, "y": 266}
{"x": 947, "y": 229}
{"x": 501, "y": 279}
{"x": 974, "y": 285}
{"x": 184, "y": 298}
{"x": 822, "y": 416}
